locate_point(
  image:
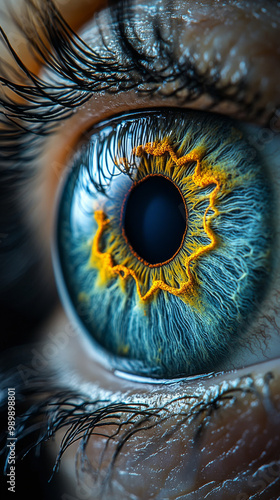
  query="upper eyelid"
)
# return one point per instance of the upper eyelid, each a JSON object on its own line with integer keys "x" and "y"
{"x": 76, "y": 87}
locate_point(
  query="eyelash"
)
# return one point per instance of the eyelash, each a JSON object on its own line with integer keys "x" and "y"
{"x": 87, "y": 72}
{"x": 58, "y": 409}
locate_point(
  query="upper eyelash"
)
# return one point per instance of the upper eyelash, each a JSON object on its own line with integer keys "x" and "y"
{"x": 61, "y": 50}
{"x": 86, "y": 72}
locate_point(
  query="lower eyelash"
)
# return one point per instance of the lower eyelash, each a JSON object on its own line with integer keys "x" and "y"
{"x": 80, "y": 418}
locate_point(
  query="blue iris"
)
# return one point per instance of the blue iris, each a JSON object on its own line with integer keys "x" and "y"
{"x": 164, "y": 239}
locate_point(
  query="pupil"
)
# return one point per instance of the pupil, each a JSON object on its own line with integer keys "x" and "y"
{"x": 155, "y": 219}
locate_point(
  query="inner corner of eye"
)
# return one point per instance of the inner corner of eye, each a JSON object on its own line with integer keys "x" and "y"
{"x": 164, "y": 236}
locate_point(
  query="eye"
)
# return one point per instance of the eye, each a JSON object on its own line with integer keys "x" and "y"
{"x": 165, "y": 240}
{"x": 112, "y": 63}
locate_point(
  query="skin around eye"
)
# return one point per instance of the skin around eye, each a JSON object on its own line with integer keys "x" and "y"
{"x": 235, "y": 65}
{"x": 197, "y": 440}
{"x": 227, "y": 446}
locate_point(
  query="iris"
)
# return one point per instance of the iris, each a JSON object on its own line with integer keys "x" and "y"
{"x": 164, "y": 239}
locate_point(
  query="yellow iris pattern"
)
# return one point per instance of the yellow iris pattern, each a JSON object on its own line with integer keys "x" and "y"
{"x": 183, "y": 315}
{"x": 201, "y": 177}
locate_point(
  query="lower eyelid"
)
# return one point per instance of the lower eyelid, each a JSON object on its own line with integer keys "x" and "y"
{"x": 226, "y": 442}
{"x": 63, "y": 345}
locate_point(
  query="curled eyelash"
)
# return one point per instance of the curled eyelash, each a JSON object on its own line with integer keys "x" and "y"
{"x": 80, "y": 71}
{"x": 109, "y": 154}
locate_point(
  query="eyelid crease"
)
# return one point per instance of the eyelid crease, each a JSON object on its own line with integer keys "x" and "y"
{"x": 81, "y": 71}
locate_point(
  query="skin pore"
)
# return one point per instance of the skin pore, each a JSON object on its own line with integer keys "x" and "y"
{"x": 214, "y": 436}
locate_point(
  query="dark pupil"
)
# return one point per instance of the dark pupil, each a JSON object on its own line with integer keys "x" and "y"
{"x": 154, "y": 219}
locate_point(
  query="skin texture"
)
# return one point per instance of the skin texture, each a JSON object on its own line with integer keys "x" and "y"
{"x": 211, "y": 437}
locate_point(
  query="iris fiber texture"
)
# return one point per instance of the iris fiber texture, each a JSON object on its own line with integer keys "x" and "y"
{"x": 185, "y": 315}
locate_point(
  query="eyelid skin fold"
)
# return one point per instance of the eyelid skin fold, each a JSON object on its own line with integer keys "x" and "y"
{"x": 165, "y": 72}
{"x": 191, "y": 40}
{"x": 183, "y": 436}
